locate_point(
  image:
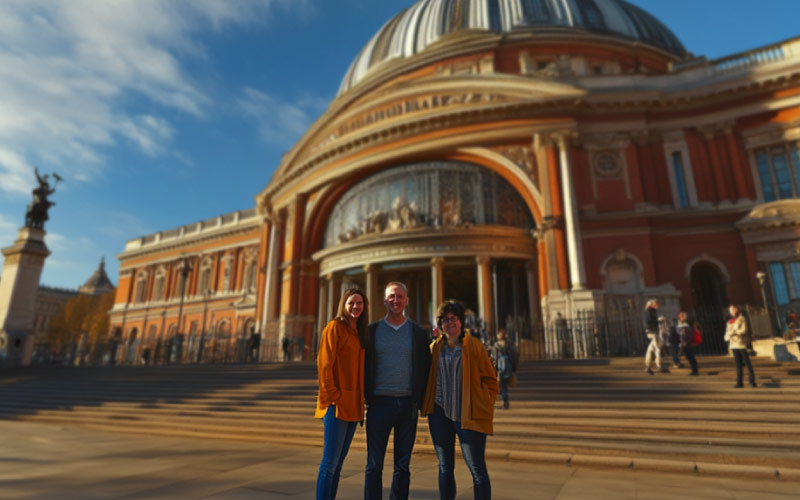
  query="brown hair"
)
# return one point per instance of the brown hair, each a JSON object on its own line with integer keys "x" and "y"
{"x": 453, "y": 307}
{"x": 362, "y": 321}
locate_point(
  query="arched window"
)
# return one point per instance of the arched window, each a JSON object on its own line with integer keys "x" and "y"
{"x": 227, "y": 263}
{"x": 158, "y": 287}
{"x": 622, "y": 274}
{"x": 205, "y": 275}
{"x": 141, "y": 287}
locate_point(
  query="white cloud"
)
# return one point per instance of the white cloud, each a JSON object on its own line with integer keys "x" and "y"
{"x": 69, "y": 71}
{"x": 8, "y": 231}
{"x": 280, "y": 122}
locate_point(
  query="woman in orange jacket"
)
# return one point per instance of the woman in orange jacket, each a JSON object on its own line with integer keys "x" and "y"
{"x": 459, "y": 401}
{"x": 340, "y": 403}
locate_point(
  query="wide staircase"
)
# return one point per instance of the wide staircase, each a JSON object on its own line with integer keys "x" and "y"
{"x": 600, "y": 413}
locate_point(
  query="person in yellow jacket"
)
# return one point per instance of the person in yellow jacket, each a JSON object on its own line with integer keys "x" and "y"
{"x": 459, "y": 401}
{"x": 340, "y": 402}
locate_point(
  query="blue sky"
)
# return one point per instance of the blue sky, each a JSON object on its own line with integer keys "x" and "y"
{"x": 160, "y": 113}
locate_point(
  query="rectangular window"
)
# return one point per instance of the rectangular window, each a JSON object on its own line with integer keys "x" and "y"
{"x": 779, "y": 171}
{"x": 762, "y": 161}
{"x": 782, "y": 174}
{"x": 794, "y": 272}
{"x": 680, "y": 180}
{"x": 779, "y": 286}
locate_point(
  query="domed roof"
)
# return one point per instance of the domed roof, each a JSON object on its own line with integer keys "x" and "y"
{"x": 425, "y": 22}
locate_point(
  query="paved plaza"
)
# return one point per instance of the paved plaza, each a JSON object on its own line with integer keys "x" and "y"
{"x": 54, "y": 462}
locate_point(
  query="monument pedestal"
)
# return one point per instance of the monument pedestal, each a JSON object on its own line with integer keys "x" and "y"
{"x": 19, "y": 286}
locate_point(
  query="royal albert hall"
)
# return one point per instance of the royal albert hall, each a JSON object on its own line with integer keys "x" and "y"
{"x": 535, "y": 159}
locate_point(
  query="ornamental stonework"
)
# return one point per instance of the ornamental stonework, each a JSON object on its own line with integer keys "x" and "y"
{"x": 524, "y": 157}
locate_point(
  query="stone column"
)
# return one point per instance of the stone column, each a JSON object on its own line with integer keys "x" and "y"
{"x": 531, "y": 268}
{"x": 334, "y": 290}
{"x": 372, "y": 291}
{"x": 437, "y": 281}
{"x": 485, "y": 293}
{"x": 322, "y": 312}
{"x": 22, "y": 269}
{"x": 574, "y": 242}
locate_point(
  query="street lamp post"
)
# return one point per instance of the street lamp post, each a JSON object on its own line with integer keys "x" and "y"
{"x": 761, "y": 276}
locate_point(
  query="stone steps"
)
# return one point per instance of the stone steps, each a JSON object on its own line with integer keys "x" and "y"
{"x": 595, "y": 412}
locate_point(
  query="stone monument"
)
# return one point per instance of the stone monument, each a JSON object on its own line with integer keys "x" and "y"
{"x": 19, "y": 281}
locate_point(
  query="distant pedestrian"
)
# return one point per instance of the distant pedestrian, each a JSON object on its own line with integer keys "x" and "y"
{"x": 340, "y": 402}
{"x": 253, "y": 344}
{"x": 738, "y": 336}
{"x": 506, "y": 358}
{"x": 286, "y": 347}
{"x": 674, "y": 342}
{"x": 687, "y": 340}
{"x": 653, "y": 355}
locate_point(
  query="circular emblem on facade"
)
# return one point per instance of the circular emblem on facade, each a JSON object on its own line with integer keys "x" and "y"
{"x": 607, "y": 165}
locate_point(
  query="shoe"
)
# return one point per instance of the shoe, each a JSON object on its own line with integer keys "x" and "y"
{"x": 753, "y": 384}
{"x": 649, "y": 371}
{"x": 738, "y": 386}
{"x": 506, "y": 405}
{"x": 693, "y": 374}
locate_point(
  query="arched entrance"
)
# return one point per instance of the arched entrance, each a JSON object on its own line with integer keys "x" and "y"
{"x": 709, "y": 300}
{"x": 446, "y": 229}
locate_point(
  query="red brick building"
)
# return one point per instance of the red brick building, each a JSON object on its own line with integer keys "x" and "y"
{"x": 533, "y": 159}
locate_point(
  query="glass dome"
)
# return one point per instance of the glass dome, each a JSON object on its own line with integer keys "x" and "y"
{"x": 419, "y": 26}
{"x": 426, "y": 195}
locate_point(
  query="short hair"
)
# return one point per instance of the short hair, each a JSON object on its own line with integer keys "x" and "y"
{"x": 453, "y": 307}
{"x": 393, "y": 284}
{"x": 652, "y": 303}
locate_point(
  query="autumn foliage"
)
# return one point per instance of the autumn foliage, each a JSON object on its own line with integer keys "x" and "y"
{"x": 84, "y": 313}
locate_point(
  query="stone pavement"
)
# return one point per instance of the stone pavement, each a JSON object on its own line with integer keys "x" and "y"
{"x": 53, "y": 462}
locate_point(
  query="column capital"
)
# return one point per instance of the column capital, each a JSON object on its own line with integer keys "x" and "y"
{"x": 547, "y": 224}
{"x": 561, "y": 138}
{"x": 483, "y": 260}
{"x": 437, "y": 261}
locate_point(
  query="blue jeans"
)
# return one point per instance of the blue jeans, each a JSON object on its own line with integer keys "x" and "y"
{"x": 473, "y": 448}
{"x": 384, "y": 414}
{"x": 741, "y": 357}
{"x": 688, "y": 351}
{"x": 336, "y": 444}
{"x": 676, "y": 353}
{"x": 504, "y": 390}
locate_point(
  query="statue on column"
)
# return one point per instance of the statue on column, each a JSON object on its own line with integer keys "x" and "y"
{"x": 36, "y": 215}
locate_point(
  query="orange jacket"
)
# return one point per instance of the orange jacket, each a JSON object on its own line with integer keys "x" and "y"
{"x": 479, "y": 387}
{"x": 340, "y": 369}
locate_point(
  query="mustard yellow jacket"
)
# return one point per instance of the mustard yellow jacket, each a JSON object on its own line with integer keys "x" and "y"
{"x": 479, "y": 388}
{"x": 340, "y": 369}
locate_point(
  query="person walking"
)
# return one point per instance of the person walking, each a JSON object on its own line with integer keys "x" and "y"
{"x": 506, "y": 358}
{"x": 396, "y": 369}
{"x": 686, "y": 340}
{"x": 340, "y": 402}
{"x": 738, "y": 336}
{"x": 653, "y": 354}
{"x": 459, "y": 401}
{"x": 674, "y": 343}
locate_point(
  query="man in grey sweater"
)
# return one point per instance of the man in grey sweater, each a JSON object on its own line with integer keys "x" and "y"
{"x": 396, "y": 367}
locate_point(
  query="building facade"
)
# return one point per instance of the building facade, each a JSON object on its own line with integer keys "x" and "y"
{"x": 532, "y": 159}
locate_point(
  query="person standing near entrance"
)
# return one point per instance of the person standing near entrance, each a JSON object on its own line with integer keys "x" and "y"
{"x": 651, "y": 326}
{"x": 395, "y": 376}
{"x": 506, "y": 358}
{"x": 340, "y": 402}
{"x": 687, "y": 345}
{"x": 738, "y": 336}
